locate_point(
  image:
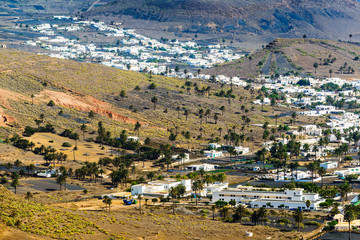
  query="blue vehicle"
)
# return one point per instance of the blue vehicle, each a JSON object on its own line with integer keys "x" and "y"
{"x": 128, "y": 202}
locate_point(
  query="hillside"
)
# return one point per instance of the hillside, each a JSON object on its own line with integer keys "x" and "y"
{"x": 239, "y": 19}
{"x": 78, "y": 88}
{"x": 298, "y": 56}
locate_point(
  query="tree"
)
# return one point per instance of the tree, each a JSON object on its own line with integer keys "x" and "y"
{"x": 173, "y": 194}
{"x": 28, "y": 196}
{"x": 350, "y": 36}
{"x": 172, "y": 138}
{"x": 107, "y": 201}
{"x": 154, "y": 100}
{"x": 137, "y": 128}
{"x": 315, "y": 65}
{"x": 32, "y": 99}
{"x": 222, "y": 109}
{"x": 350, "y": 214}
{"x": 76, "y": 138}
{"x": 196, "y": 187}
{"x": 224, "y": 212}
{"x": 150, "y": 175}
{"x": 91, "y": 114}
{"x": 139, "y": 199}
{"x": 213, "y": 208}
{"x": 61, "y": 179}
{"x": 83, "y": 129}
{"x": 122, "y": 94}
{"x": 186, "y": 113}
{"x": 308, "y": 204}
{"x": 298, "y": 216}
{"x": 304, "y": 37}
{"x": 240, "y": 212}
{"x": 330, "y": 72}
{"x": 15, "y": 180}
{"x": 322, "y": 172}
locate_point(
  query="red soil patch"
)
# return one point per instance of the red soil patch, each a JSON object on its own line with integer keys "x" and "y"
{"x": 5, "y": 95}
{"x": 87, "y": 104}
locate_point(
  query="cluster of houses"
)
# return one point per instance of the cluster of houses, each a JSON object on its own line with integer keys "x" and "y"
{"x": 132, "y": 51}
{"x": 287, "y": 199}
{"x": 253, "y": 197}
{"x": 161, "y": 188}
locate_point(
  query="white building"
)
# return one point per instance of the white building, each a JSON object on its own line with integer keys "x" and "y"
{"x": 206, "y": 167}
{"x": 213, "y": 154}
{"x": 214, "y": 145}
{"x": 329, "y": 165}
{"x": 159, "y": 187}
{"x": 242, "y": 150}
{"x": 289, "y": 199}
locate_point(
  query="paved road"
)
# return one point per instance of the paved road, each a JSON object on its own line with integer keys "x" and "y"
{"x": 266, "y": 67}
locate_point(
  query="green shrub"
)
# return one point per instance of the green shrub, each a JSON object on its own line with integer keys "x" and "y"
{"x": 313, "y": 223}
{"x": 66, "y": 144}
{"x": 284, "y": 220}
{"x": 51, "y": 103}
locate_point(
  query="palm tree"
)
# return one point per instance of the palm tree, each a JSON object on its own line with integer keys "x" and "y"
{"x": 83, "y": 129}
{"x": 197, "y": 186}
{"x": 350, "y": 214}
{"x": 315, "y": 65}
{"x": 213, "y": 208}
{"x": 224, "y": 211}
{"x": 76, "y": 137}
{"x": 28, "y": 196}
{"x": 350, "y": 36}
{"x": 137, "y": 128}
{"x": 154, "y": 100}
{"x": 61, "y": 179}
{"x": 322, "y": 172}
{"x": 312, "y": 167}
{"x": 140, "y": 198}
{"x": 15, "y": 180}
{"x": 150, "y": 175}
{"x": 298, "y": 216}
{"x": 107, "y": 201}
{"x": 240, "y": 212}
{"x": 304, "y": 37}
{"x": 222, "y": 109}
{"x": 173, "y": 194}
{"x": 186, "y": 113}
{"x": 308, "y": 203}
{"x": 182, "y": 157}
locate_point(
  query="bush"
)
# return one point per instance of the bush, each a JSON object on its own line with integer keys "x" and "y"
{"x": 152, "y": 86}
{"x": 284, "y": 220}
{"x": 313, "y": 223}
{"x": 51, "y": 103}
{"x": 66, "y": 144}
{"x": 29, "y": 131}
{"x": 3, "y": 180}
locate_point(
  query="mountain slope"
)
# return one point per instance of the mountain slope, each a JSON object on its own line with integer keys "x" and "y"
{"x": 298, "y": 55}
{"x": 77, "y": 88}
{"x": 264, "y": 19}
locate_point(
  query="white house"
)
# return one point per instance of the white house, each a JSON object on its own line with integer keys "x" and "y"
{"x": 159, "y": 187}
{"x": 214, "y": 145}
{"x": 329, "y": 165}
{"x": 242, "y": 150}
{"x": 133, "y": 138}
{"x": 206, "y": 167}
{"x": 287, "y": 199}
{"x": 213, "y": 154}
{"x": 177, "y": 158}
